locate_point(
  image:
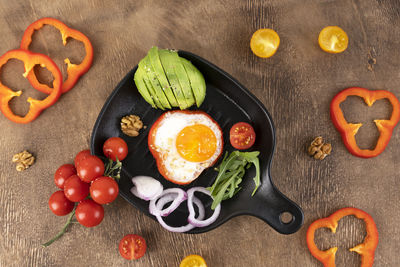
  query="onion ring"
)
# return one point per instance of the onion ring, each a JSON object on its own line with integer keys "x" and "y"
{"x": 170, "y": 197}
{"x": 180, "y": 229}
{"x": 181, "y": 196}
{"x": 200, "y": 222}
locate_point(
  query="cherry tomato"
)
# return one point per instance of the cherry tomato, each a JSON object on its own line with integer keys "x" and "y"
{"x": 242, "y": 135}
{"x": 104, "y": 190}
{"x": 264, "y": 43}
{"x": 333, "y": 39}
{"x": 59, "y": 204}
{"x": 132, "y": 247}
{"x": 89, "y": 213}
{"x": 115, "y": 147}
{"x": 80, "y": 156}
{"x": 193, "y": 261}
{"x": 75, "y": 190}
{"x": 63, "y": 173}
{"x": 90, "y": 168}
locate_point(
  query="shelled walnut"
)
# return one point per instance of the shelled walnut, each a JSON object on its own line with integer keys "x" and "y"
{"x": 318, "y": 149}
{"x": 131, "y": 124}
{"x": 23, "y": 159}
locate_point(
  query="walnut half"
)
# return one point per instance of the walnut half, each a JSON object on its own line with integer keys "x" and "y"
{"x": 23, "y": 159}
{"x": 131, "y": 124}
{"x": 318, "y": 149}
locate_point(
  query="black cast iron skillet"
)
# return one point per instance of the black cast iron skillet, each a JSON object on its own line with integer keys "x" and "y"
{"x": 228, "y": 102}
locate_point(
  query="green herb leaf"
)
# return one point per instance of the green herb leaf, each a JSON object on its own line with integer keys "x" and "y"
{"x": 230, "y": 174}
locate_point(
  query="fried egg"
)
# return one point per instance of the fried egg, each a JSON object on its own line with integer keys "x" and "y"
{"x": 184, "y": 143}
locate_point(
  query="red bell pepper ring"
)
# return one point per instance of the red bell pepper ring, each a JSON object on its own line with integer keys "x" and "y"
{"x": 365, "y": 249}
{"x": 36, "y": 106}
{"x": 73, "y": 71}
{"x": 349, "y": 130}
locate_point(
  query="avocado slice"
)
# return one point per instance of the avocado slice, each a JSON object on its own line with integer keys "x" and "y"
{"x": 183, "y": 78}
{"x": 142, "y": 88}
{"x": 151, "y": 90}
{"x": 161, "y": 76}
{"x": 196, "y": 81}
{"x": 167, "y": 61}
{"x": 152, "y": 78}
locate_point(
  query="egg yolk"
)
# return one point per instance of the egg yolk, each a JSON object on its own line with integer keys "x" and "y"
{"x": 196, "y": 143}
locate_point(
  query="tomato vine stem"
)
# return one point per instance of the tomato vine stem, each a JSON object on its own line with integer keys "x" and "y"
{"x": 63, "y": 230}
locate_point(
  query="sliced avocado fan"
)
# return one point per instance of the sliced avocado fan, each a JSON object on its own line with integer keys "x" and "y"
{"x": 142, "y": 88}
{"x": 168, "y": 63}
{"x": 166, "y": 80}
{"x": 162, "y": 78}
{"x": 197, "y": 81}
{"x": 159, "y": 92}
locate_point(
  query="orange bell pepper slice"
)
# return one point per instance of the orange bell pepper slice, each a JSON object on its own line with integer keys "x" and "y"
{"x": 36, "y": 106}
{"x": 74, "y": 71}
{"x": 365, "y": 249}
{"x": 349, "y": 130}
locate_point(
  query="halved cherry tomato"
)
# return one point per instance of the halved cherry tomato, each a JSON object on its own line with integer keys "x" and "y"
{"x": 115, "y": 147}
{"x": 75, "y": 190}
{"x": 81, "y": 156}
{"x": 90, "y": 168}
{"x": 104, "y": 190}
{"x": 333, "y": 39}
{"x": 193, "y": 261}
{"x": 63, "y": 173}
{"x": 242, "y": 135}
{"x": 89, "y": 213}
{"x": 59, "y": 204}
{"x": 264, "y": 43}
{"x": 132, "y": 247}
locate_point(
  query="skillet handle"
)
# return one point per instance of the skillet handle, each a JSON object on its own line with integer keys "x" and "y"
{"x": 281, "y": 213}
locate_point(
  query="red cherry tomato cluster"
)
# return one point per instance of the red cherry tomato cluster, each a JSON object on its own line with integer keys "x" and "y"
{"x": 86, "y": 178}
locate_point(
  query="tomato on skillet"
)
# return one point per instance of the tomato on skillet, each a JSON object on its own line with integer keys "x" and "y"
{"x": 132, "y": 247}
{"x": 115, "y": 147}
{"x": 242, "y": 135}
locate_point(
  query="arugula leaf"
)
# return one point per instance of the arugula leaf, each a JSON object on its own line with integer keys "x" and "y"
{"x": 222, "y": 168}
{"x": 230, "y": 174}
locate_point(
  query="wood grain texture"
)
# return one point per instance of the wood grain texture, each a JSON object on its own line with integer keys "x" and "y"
{"x": 296, "y": 85}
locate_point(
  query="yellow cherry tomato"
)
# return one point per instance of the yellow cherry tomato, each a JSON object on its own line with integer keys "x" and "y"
{"x": 264, "y": 43}
{"x": 333, "y": 39}
{"x": 193, "y": 261}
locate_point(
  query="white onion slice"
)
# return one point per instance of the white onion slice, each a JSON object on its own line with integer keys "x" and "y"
{"x": 146, "y": 187}
{"x": 170, "y": 197}
{"x": 180, "y": 197}
{"x": 200, "y": 222}
{"x": 184, "y": 228}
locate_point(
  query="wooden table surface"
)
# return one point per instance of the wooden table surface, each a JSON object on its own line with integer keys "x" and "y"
{"x": 296, "y": 85}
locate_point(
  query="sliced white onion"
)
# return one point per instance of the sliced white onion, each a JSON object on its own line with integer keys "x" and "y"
{"x": 200, "y": 222}
{"x": 184, "y": 228}
{"x": 176, "y": 201}
{"x": 146, "y": 187}
{"x": 170, "y": 197}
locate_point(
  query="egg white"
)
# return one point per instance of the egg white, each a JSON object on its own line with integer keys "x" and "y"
{"x": 178, "y": 168}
